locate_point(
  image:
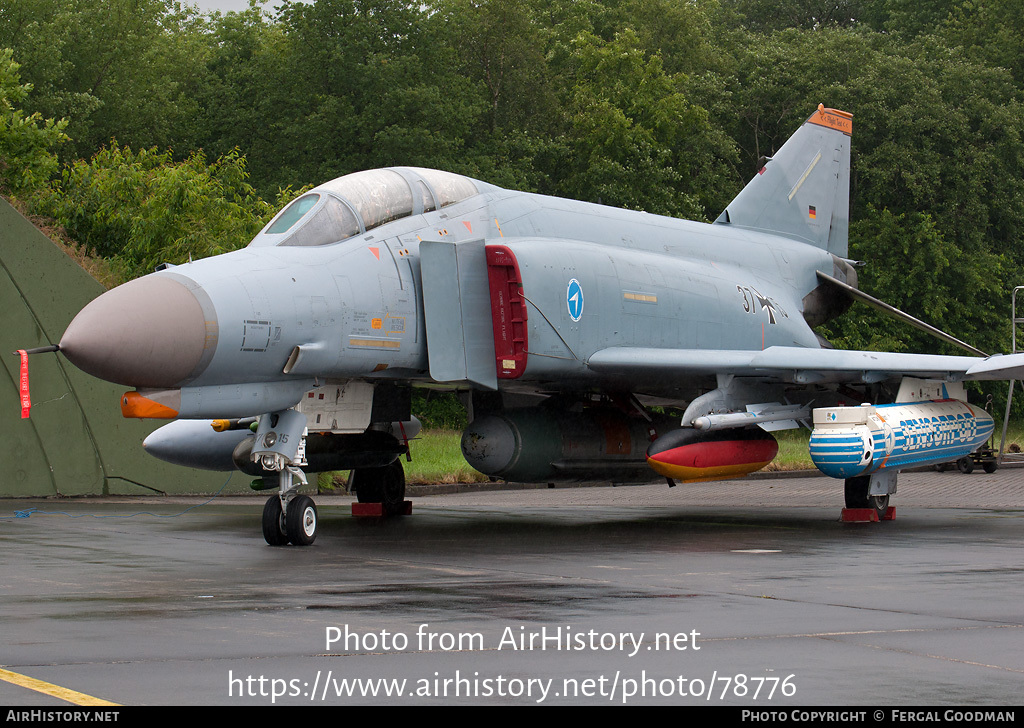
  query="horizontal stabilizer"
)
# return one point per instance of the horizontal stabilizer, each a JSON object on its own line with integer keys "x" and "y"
{"x": 859, "y": 295}
{"x": 998, "y": 368}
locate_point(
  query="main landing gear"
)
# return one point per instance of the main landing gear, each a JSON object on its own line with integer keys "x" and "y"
{"x": 856, "y": 493}
{"x": 867, "y": 497}
{"x": 385, "y": 485}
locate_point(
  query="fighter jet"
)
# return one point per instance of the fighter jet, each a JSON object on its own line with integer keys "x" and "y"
{"x": 571, "y": 327}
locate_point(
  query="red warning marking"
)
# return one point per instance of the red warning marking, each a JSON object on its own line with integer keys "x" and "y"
{"x": 26, "y": 401}
{"x": 469, "y": 226}
{"x": 508, "y": 312}
{"x": 376, "y": 252}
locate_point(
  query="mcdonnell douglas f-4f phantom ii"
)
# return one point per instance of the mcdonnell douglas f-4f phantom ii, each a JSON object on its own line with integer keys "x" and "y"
{"x": 565, "y": 321}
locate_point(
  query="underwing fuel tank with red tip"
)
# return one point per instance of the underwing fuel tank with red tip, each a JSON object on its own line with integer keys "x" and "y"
{"x": 689, "y": 455}
{"x": 852, "y": 441}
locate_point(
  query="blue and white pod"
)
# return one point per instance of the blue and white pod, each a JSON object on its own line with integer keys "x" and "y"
{"x": 851, "y": 441}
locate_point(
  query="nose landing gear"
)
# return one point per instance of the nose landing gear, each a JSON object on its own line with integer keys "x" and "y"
{"x": 289, "y": 517}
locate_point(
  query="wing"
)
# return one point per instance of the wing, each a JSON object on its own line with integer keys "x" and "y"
{"x": 804, "y": 366}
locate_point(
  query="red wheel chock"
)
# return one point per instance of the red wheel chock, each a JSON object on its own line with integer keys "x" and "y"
{"x": 866, "y": 515}
{"x": 376, "y": 510}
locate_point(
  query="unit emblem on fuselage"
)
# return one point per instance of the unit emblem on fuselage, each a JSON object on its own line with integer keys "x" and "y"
{"x": 574, "y": 299}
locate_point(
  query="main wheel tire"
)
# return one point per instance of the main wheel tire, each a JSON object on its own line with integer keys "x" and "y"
{"x": 990, "y": 466}
{"x": 394, "y": 489}
{"x": 381, "y": 485}
{"x": 880, "y": 503}
{"x": 273, "y": 522}
{"x": 301, "y": 520}
{"x": 856, "y": 492}
{"x": 368, "y": 484}
{"x": 965, "y": 465}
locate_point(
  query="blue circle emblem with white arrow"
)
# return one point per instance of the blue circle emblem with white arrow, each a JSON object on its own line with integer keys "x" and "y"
{"x": 574, "y": 299}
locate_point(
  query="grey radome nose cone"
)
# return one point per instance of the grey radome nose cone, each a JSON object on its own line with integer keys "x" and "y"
{"x": 150, "y": 332}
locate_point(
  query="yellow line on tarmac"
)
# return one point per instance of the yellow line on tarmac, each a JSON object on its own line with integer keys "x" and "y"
{"x": 55, "y": 691}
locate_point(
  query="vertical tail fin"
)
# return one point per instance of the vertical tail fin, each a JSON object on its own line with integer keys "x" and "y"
{"x": 803, "y": 192}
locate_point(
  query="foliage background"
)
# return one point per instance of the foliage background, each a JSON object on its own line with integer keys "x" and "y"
{"x": 152, "y": 132}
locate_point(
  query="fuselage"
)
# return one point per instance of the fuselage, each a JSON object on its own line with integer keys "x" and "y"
{"x": 594, "y": 277}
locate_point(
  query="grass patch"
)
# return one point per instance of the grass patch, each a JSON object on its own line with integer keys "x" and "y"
{"x": 437, "y": 458}
{"x": 793, "y": 451}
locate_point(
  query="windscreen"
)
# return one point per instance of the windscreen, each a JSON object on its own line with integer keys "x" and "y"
{"x": 334, "y": 221}
{"x": 292, "y": 214}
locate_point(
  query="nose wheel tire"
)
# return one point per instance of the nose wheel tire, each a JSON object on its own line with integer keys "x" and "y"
{"x": 273, "y": 523}
{"x": 301, "y": 521}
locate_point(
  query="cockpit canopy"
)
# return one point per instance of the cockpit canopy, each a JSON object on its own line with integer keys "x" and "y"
{"x": 358, "y": 202}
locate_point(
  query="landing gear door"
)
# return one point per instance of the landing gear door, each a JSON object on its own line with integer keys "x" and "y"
{"x": 457, "y": 311}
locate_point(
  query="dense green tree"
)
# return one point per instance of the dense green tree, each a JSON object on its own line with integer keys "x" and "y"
{"x": 113, "y": 68}
{"x": 337, "y": 86}
{"x": 917, "y": 269}
{"x": 248, "y": 95}
{"x": 633, "y": 139}
{"x": 991, "y": 32}
{"x": 39, "y": 32}
{"x": 502, "y": 47}
{"x": 143, "y": 208}
{"x": 679, "y": 33}
{"x": 908, "y": 18}
{"x": 27, "y": 141}
{"x": 771, "y": 15}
